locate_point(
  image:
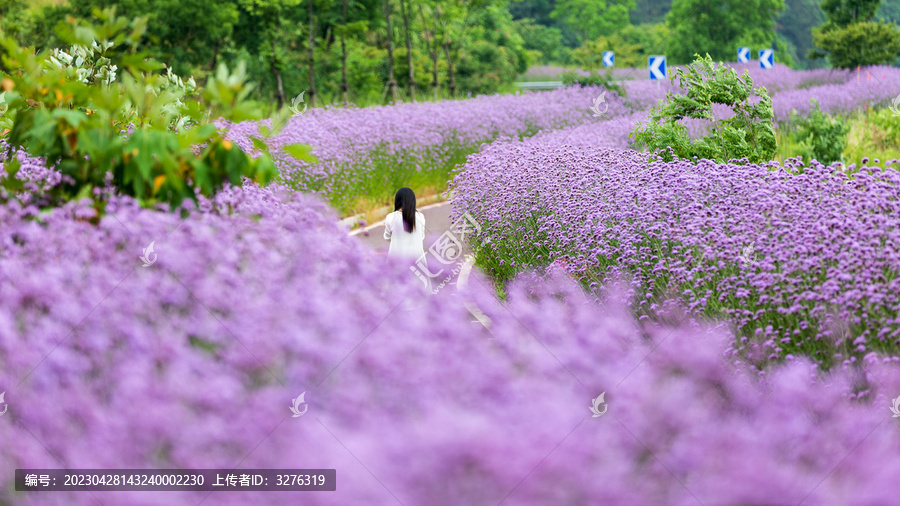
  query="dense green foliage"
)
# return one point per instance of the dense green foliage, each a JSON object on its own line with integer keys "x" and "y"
{"x": 858, "y": 44}
{"x": 456, "y": 39}
{"x": 592, "y": 18}
{"x": 748, "y": 134}
{"x": 693, "y": 26}
{"x": 889, "y": 11}
{"x": 365, "y": 51}
{"x": 718, "y": 28}
{"x": 101, "y": 113}
{"x": 846, "y": 12}
{"x": 546, "y": 42}
{"x": 496, "y": 53}
{"x": 850, "y": 38}
{"x": 795, "y": 27}
{"x": 539, "y": 12}
{"x": 650, "y": 11}
{"x": 818, "y": 136}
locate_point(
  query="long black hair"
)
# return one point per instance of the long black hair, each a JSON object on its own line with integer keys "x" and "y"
{"x": 405, "y": 200}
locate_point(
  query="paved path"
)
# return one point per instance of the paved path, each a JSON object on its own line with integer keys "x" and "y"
{"x": 437, "y": 221}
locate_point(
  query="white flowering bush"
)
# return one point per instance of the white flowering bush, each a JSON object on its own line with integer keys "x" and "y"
{"x": 91, "y": 64}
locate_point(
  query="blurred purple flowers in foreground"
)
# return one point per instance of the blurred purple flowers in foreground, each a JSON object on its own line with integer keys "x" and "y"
{"x": 192, "y": 363}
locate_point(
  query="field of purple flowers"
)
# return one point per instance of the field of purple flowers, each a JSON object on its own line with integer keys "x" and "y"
{"x": 366, "y": 153}
{"x": 191, "y": 358}
{"x": 797, "y": 263}
{"x": 252, "y": 299}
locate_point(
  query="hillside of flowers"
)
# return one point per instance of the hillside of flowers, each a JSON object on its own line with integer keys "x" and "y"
{"x": 259, "y": 295}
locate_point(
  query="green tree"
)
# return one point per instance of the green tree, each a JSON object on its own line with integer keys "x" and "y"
{"x": 649, "y": 40}
{"x": 431, "y": 45}
{"x": 850, "y": 38}
{"x": 749, "y": 133}
{"x": 847, "y": 12}
{"x": 493, "y": 53}
{"x": 593, "y": 18}
{"x": 273, "y": 38}
{"x": 540, "y": 11}
{"x": 73, "y": 107}
{"x": 454, "y": 20}
{"x": 405, "y": 13}
{"x": 717, "y": 27}
{"x": 332, "y": 50}
{"x": 858, "y": 44}
{"x": 546, "y": 40}
{"x": 184, "y": 34}
{"x": 650, "y": 11}
{"x": 817, "y": 135}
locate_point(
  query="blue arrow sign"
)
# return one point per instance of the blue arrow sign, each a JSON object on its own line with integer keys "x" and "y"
{"x": 657, "y": 67}
{"x": 608, "y": 58}
{"x": 743, "y": 54}
{"x": 766, "y": 58}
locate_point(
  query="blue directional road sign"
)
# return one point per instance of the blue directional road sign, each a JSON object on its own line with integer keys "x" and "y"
{"x": 766, "y": 58}
{"x": 657, "y": 67}
{"x": 608, "y": 58}
{"x": 743, "y": 54}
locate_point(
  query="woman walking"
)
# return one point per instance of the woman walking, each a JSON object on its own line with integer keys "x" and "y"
{"x": 405, "y": 228}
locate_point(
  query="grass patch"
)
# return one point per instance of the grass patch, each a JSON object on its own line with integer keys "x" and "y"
{"x": 873, "y": 135}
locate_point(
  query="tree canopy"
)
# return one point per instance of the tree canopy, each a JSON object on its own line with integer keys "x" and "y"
{"x": 850, "y": 38}
{"x": 717, "y": 27}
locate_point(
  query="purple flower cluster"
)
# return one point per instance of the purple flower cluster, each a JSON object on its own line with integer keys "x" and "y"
{"x": 806, "y": 263}
{"x": 193, "y": 361}
{"x": 783, "y": 78}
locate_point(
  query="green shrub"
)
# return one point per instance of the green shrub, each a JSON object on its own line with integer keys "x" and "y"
{"x": 818, "y": 136}
{"x": 101, "y": 108}
{"x": 749, "y": 133}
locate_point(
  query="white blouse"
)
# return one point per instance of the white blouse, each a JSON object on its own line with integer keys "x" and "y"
{"x": 405, "y": 244}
